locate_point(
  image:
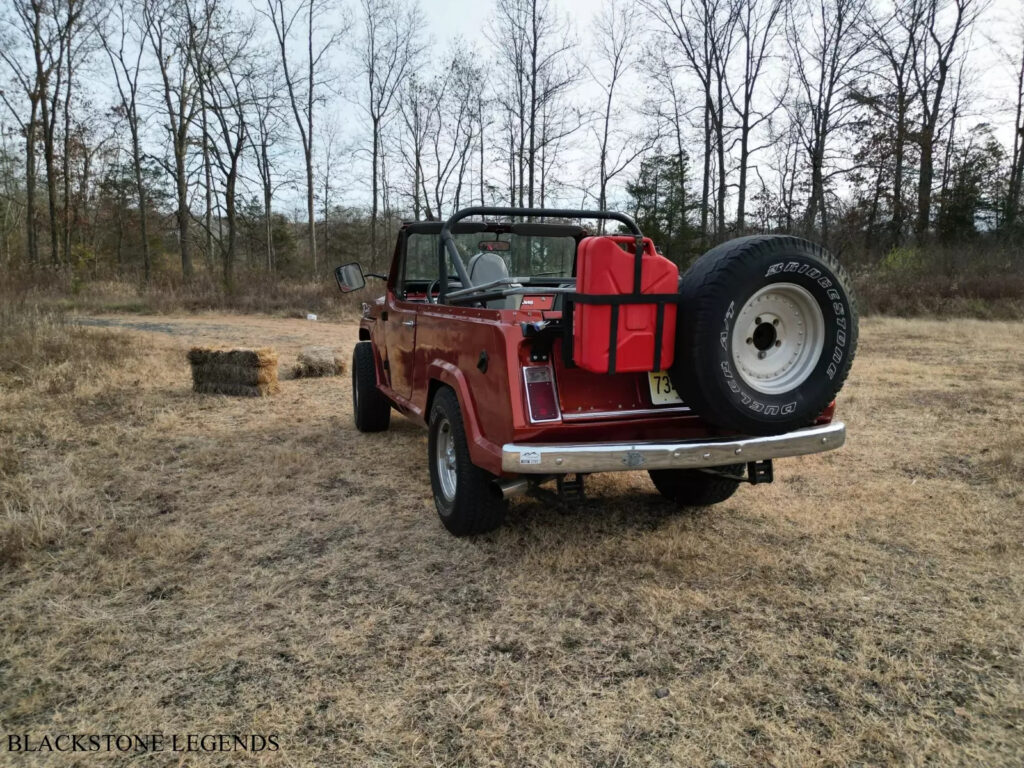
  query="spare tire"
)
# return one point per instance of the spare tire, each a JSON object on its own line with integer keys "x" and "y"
{"x": 766, "y": 333}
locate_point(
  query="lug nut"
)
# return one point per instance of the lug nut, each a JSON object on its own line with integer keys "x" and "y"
{"x": 750, "y": 341}
{"x": 757, "y": 320}
{"x": 760, "y": 355}
{"x": 778, "y": 342}
{"x": 775, "y": 321}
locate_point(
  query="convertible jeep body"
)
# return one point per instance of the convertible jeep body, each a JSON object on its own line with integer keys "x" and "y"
{"x": 533, "y": 350}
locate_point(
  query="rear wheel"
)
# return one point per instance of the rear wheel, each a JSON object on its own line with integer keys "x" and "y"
{"x": 466, "y": 497}
{"x": 371, "y": 409}
{"x": 696, "y": 488}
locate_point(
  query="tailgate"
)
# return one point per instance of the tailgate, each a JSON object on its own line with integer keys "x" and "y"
{"x": 583, "y": 395}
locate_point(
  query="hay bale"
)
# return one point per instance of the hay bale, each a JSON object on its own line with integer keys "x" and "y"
{"x": 243, "y": 372}
{"x": 318, "y": 361}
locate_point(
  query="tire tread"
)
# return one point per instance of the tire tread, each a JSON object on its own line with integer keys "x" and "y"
{"x": 371, "y": 410}
{"x": 711, "y": 275}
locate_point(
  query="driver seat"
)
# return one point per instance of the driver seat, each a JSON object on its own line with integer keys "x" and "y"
{"x": 486, "y": 267}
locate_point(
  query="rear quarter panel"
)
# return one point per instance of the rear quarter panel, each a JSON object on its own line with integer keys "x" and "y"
{"x": 449, "y": 343}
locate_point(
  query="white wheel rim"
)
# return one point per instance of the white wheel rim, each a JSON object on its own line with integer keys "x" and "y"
{"x": 778, "y": 338}
{"x": 444, "y": 459}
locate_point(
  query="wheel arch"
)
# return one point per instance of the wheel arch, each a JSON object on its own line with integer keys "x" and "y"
{"x": 484, "y": 453}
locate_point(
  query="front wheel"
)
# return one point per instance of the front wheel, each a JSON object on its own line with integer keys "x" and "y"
{"x": 371, "y": 409}
{"x": 696, "y": 488}
{"x": 466, "y": 497}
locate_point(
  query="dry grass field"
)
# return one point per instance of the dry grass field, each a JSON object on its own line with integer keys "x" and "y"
{"x": 180, "y": 563}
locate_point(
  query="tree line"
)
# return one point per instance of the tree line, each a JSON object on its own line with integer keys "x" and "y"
{"x": 176, "y": 137}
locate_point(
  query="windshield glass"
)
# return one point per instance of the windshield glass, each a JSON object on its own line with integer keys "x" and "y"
{"x": 525, "y": 255}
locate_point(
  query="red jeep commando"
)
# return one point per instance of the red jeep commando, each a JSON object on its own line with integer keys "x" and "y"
{"x": 532, "y": 350}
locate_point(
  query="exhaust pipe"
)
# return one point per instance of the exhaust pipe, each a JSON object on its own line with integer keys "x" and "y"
{"x": 515, "y": 487}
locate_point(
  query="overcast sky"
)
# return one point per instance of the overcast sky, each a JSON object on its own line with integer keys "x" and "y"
{"x": 470, "y": 20}
{"x": 992, "y": 37}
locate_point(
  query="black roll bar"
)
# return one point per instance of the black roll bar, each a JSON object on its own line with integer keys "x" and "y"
{"x": 448, "y": 242}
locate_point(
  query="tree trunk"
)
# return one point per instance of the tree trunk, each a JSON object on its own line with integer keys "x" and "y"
{"x": 924, "y": 185}
{"x": 373, "y": 185}
{"x": 741, "y": 192}
{"x": 51, "y": 179}
{"x": 899, "y": 152}
{"x": 705, "y": 190}
{"x": 141, "y": 189}
{"x": 66, "y": 160}
{"x": 181, "y": 185}
{"x": 208, "y": 211}
{"x": 31, "y": 241}
{"x": 1013, "y": 191}
{"x": 229, "y": 251}
{"x": 533, "y": 102}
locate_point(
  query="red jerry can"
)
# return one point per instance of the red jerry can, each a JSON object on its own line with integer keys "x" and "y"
{"x": 620, "y": 334}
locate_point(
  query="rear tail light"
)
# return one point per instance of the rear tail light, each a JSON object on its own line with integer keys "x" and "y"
{"x": 541, "y": 396}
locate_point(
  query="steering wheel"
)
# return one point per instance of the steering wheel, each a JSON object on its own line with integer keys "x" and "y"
{"x": 436, "y": 284}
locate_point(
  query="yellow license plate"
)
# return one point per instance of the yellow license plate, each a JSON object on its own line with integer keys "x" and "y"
{"x": 662, "y": 391}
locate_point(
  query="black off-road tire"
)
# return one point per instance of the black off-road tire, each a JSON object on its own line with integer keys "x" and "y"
{"x": 720, "y": 299}
{"x": 694, "y": 488}
{"x": 475, "y": 505}
{"x": 371, "y": 409}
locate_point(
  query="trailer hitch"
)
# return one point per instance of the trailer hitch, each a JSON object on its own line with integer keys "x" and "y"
{"x": 758, "y": 473}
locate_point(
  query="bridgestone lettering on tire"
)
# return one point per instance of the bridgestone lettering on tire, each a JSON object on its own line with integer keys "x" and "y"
{"x": 766, "y": 334}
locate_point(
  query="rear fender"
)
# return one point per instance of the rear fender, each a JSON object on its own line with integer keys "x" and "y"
{"x": 484, "y": 453}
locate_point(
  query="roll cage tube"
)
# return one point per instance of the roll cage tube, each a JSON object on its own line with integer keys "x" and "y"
{"x": 448, "y": 242}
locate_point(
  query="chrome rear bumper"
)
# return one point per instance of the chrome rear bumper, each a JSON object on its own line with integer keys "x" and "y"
{"x": 557, "y": 458}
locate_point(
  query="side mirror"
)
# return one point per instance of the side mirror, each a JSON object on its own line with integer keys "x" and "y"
{"x": 350, "y": 277}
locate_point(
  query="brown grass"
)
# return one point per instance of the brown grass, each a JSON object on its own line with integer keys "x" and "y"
{"x": 185, "y": 564}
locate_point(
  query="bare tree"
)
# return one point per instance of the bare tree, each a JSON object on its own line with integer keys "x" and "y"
{"x": 704, "y": 31}
{"x": 935, "y": 50}
{"x": 174, "y": 37}
{"x": 414, "y": 106}
{"x": 758, "y": 25}
{"x": 29, "y": 23}
{"x": 534, "y": 46}
{"x": 620, "y": 141}
{"x": 891, "y": 40}
{"x": 328, "y": 167}
{"x": 124, "y": 43}
{"x": 225, "y": 67}
{"x": 1016, "y": 183}
{"x": 392, "y": 44}
{"x": 824, "y": 45}
{"x": 671, "y": 109}
{"x": 79, "y": 23}
{"x": 264, "y": 94}
{"x": 305, "y": 89}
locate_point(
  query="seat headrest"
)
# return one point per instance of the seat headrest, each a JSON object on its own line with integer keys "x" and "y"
{"x": 486, "y": 267}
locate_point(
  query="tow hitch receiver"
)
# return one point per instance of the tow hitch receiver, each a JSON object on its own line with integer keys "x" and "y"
{"x": 571, "y": 489}
{"x": 760, "y": 472}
